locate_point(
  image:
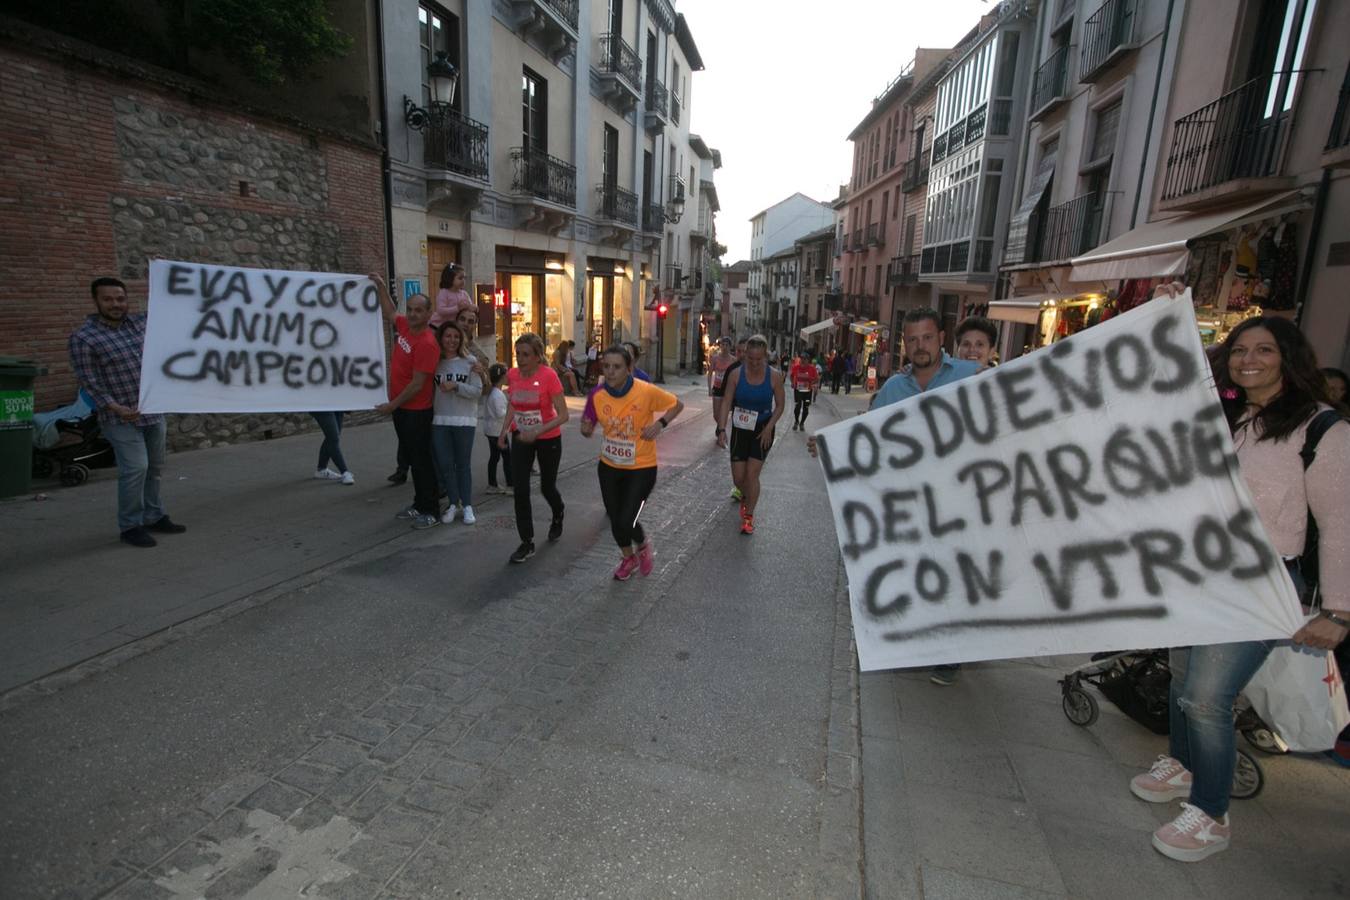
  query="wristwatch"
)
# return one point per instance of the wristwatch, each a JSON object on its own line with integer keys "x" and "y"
{"x": 1335, "y": 618}
{"x": 721, "y": 431}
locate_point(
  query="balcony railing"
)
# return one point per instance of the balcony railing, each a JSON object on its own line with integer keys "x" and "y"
{"x": 618, "y": 58}
{"x": 653, "y": 218}
{"x": 1052, "y": 80}
{"x": 617, "y": 204}
{"x": 858, "y": 239}
{"x": 543, "y": 176}
{"x": 1243, "y": 134}
{"x": 658, "y": 98}
{"x": 833, "y": 301}
{"x": 675, "y": 104}
{"x": 1106, "y": 33}
{"x": 874, "y": 234}
{"x": 1340, "y": 121}
{"x": 903, "y": 270}
{"x": 1071, "y": 229}
{"x": 455, "y": 143}
{"x": 675, "y": 276}
{"x": 566, "y": 9}
{"x": 916, "y": 172}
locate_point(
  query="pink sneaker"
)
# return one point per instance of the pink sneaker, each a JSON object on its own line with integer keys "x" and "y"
{"x": 1192, "y": 836}
{"x": 626, "y": 568}
{"x": 1167, "y": 780}
{"x": 646, "y": 558}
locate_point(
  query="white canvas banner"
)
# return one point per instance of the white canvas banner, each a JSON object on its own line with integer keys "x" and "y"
{"x": 1084, "y": 497}
{"x": 223, "y": 339}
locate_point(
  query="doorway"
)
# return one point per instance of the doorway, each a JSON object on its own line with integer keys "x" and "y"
{"x": 520, "y": 315}
{"x": 440, "y": 253}
{"x": 601, "y": 321}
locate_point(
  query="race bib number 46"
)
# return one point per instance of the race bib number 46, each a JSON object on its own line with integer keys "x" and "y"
{"x": 619, "y": 453}
{"x": 745, "y": 419}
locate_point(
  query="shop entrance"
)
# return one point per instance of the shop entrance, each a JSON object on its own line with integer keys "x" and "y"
{"x": 534, "y": 305}
{"x": 601, "y": 323}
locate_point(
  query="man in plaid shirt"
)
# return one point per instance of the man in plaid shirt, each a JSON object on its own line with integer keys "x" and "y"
{"x": 106, "y": 355}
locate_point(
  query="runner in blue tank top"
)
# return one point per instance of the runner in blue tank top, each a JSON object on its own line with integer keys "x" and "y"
{"x": 755, "y": 395}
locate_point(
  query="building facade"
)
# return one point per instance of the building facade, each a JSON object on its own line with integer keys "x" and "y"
{"x": 815, "y": 261}
{"x": 557, "y": 175}
{"x": 772, "y": 231}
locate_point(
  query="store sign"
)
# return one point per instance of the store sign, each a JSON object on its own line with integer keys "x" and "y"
{"x": 223, "y": 339}
{"x": 1081, "y": 498}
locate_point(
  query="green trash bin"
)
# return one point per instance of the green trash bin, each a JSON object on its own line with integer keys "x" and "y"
{"x": 16, "y": 423}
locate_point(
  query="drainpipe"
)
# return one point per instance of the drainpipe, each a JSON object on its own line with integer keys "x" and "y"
{"x": 386, "y": 171}
{"x": 1152, "y": 111}
{"x": 1314, "y": 236}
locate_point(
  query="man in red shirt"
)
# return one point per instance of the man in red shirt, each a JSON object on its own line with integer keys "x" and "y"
{"x": 411, "y": 386}
{"x": 803, "y": 376}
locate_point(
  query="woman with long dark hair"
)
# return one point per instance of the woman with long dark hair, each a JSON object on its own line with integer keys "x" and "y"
{"x": 1272, "y": 392}
{"x": 535, "y": 414}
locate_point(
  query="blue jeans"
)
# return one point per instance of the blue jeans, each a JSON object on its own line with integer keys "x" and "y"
{"x": 330, "y": 423}
{"x": 140, "y": 462}
{"x": 452, "y": 446}
{"x": 1205, "y": 683}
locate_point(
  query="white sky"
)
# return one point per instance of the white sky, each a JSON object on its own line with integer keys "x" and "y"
{"x": 785, "y": 81}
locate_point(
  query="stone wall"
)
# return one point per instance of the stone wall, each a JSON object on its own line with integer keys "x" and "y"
{"x": 105, "y": 171}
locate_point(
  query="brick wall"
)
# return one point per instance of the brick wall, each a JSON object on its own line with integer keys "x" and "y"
{"x": 99, "y": 171}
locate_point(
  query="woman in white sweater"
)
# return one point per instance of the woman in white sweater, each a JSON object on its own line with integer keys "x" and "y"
{"x": 459, "y": 385}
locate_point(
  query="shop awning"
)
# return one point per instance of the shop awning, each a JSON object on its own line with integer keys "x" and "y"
{"x": 1159, "y": 248}
{"x": 865, "y": 327}
{"x": 817, "y": 327}
{"x": 1019, "y": 224}
{"x": 1022, "y": 310}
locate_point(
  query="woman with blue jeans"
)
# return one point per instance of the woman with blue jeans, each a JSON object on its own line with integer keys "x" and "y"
{"x": 459, "y": 385}
{"x": 1271, "y": 391}
{"x": 330, "y": 423}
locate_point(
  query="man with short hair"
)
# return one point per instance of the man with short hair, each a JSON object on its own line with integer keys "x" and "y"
{"x": 929, "y": 367}
{"x": 105, "y": 353}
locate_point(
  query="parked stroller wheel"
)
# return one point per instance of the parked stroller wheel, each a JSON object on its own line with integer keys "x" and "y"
{"x": 42, "y": 467}
{"x": 1265, "y": 740}
{"x": 1248, "y": 779}
{"x": 1080, "y": 706}
{"x": 74, "y": 474}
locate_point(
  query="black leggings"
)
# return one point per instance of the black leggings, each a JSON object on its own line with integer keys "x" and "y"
{"x": 624, "y": 491}
{"x": 549, "y": 453}
{"x": 801, "y": 407}
{"x": 495, "y": 453}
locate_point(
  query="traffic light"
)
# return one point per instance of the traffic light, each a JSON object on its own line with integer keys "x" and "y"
{"x": 661, "y": 310}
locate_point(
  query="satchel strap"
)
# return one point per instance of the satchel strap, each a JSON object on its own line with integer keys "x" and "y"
{"x": 1319, "y": 426}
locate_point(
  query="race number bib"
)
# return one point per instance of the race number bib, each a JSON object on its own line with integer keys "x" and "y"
{"x": 619, "y": 453}
{"x": 745, "y": 419}
{"x": 719, "y": 375}
{"x": 803, "y": 385}
{"x": 529, "y": 418}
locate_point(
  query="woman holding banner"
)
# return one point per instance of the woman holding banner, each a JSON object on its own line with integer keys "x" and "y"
{"x": 1275, "y": 401}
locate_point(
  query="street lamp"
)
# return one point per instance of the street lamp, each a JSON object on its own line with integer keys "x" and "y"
{"x": 443, "y": 77}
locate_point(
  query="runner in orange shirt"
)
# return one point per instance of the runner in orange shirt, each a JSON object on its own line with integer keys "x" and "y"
{"x": 631, "y": 414}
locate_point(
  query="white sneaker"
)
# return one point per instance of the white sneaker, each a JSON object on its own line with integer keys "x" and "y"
{"x": 449, "y": 515}
{"x": 469, "y": 517}
{"x": 348, "y": 478}
{"x": 1167, "y": 780}
{"x": 326, "y": 475}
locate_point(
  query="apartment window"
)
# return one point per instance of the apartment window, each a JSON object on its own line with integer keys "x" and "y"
{"x": 438, "y": 32}
{"x": 609, "y": 160}
{"x": 1103, "y": 143}
{"x": 885, "y": 205}
{"x": 876, "y": 282}
{"x": 534, "y": 112}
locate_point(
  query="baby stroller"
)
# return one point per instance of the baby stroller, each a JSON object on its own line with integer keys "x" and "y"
{"x": 68, "y": 442}
{"x": 1138, "y": 681}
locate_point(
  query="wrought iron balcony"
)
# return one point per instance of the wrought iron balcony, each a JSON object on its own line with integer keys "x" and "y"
{"x": 617, "y": 204}
{"x": 618, "y": 58}
{"x": 543, "y": 176}
{"x": 1107, "y": 34}
{"x": 658, "y": 105}
{"x": 675, "y": 276}
{"x": 653, "y": 218}
{"x": 903, "y": 270}
{"x": 873, "y": 234}
{"x": 550, "y": 24}
{"x": 1052, "y": 82}
{"x": 1242, "y": 135}
{"x": 833, "y": 301}
{"x": 567, "y": 10}
{"x": 1071, "y": 229}
{"x": 858, "y": 238}
{"x": 916, "y": 172}
{"x": 455, "y": 143}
